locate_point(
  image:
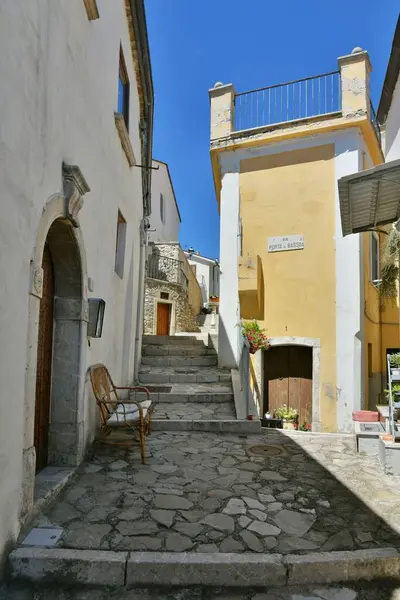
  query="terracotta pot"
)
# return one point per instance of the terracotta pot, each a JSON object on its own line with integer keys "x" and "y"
{"x": 289, "y": 424}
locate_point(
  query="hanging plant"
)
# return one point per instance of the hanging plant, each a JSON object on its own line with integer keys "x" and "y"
{"x": 256, "y": 336}
{"x": 390, "y": 266}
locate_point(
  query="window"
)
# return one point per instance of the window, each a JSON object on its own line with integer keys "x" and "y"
{"x": 162, "y": 208}
{"x": 120, "y": 245}
{"x": 164, "y": 295}
{"x": 375, "y": 271}
{"x": 123, "y": 90}
{"x": 370, "y": 373}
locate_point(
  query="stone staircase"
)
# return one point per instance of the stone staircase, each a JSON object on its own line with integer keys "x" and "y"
{"x": 188, "y": 389}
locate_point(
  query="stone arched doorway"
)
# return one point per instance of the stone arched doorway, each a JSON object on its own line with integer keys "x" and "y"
{"x": 58, "y": 237}
{"x": 58, "y": 382}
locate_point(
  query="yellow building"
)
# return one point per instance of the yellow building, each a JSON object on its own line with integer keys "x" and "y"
{"x": 277, "y": 155}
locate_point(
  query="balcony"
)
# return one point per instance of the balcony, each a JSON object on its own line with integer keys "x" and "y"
{"x": 328, "y": 102}
{"x": 310, "y": 97}
{"x": 164, "y": 268}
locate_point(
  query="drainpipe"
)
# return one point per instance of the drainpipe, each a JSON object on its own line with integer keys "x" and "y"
{"x": 141, "y": 296}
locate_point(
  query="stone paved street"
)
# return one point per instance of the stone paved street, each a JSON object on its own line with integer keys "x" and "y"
{"x": 204, "y": 492}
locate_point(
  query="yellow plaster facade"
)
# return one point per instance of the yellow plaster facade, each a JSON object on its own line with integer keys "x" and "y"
{"x": 299, "y": 286}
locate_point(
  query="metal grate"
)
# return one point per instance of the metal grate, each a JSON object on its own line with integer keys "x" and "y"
{"x": 266, "y": 450}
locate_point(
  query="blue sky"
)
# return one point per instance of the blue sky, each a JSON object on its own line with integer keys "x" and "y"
{"x": 252, "y": 44}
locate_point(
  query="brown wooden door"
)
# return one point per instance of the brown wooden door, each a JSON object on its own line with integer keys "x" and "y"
{"x": 163, "y": 318}
{"x": 288, "y": 380}
{"x": 44, "y": 363}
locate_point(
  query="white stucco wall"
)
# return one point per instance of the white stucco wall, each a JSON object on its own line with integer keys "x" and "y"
{"x": 349, "y": 295}
{"x": 392, "y": 127}
{"x": 207, "y": 274}
{"x": 167, "y": 231}
{"x": 59, "y": 74}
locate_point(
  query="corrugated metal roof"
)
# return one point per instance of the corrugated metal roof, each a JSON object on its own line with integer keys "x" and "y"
{"x": 370, "y": 198}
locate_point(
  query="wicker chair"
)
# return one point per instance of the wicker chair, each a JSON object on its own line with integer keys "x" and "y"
{"x": 124, "y": 415}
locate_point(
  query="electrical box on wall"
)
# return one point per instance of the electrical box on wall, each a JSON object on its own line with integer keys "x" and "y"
{"x": 97, "y": 308}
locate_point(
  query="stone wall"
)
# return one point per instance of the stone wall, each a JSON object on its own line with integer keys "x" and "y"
{"x": 165, "y": 276}
{"x": 183, "y": 317}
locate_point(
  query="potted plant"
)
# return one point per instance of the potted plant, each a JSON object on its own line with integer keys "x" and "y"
{"x": 395, "y": 366}
{"x": 395, "y": 395}
{"x": 287, "y": 415}
{"x": 256, "y": 337}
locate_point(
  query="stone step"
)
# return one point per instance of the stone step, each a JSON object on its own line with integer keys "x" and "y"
{"x": 181, "y": 392}
{"x": 194, "y": 411}
{"x": 209, "y": 425}
{"x": 173, "y": 350}
{"x": 188, "y": 361}
{"x": 153, "y": 375}
{"x": 178, "y": 340}
{"x": 103, "y": 574}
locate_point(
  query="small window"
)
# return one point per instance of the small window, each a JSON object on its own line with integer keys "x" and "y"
{"x": 123, "y": 90}
{"x": 120, "y": 245}
{"x": 162, "y": 208}
{"x": 375, "y": 272}
{"x": 164, "y": 295}
{"x": 370, "y": 372}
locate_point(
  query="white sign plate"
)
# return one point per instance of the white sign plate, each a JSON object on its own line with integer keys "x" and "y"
{"x": 285, "y": 242}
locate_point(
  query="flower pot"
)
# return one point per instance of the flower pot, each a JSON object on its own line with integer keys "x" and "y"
{"x": 395, "y": 373}
{"x": 252, "y": 349}
{"x": 289, "y": 424}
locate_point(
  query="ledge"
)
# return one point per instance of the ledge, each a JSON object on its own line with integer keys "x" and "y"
{"x": 91, "y": 9}
{"x": 124, "y": 137}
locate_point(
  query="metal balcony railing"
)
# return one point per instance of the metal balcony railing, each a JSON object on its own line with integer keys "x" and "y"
{"x": 300, "y": 99}
{"x": 375, "y": 122}
{"x": 167, "y": 269}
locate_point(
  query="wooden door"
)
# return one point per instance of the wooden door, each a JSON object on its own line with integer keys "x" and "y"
{"x": 300, "y": 382}
{"x": 288, "y": 380}
{"x": 276, "y": 378}
{"x": 163, "y": 318}
{"x": 44, "y": 363}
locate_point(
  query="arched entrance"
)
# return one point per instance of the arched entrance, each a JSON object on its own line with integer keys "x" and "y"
{"x": 44, "y": 363}
{"x": 59, "y": 243}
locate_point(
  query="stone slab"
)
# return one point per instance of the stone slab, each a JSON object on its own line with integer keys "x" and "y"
{"x": 66, "y": 566}
{"x": 330, "y": 567}
{"x": 44, "y": 537}
{"x": 219, "y": 569}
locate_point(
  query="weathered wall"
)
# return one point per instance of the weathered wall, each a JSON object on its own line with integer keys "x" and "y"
{"x": 194, "y": 291}
{"x": 59, "y": 94}
{"x": 167, "y": 231}
{"x": 291, "y": 193}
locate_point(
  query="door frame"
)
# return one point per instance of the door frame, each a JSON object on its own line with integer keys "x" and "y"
{"x": 315, "y": 344}
{"x": 172, "y": 326}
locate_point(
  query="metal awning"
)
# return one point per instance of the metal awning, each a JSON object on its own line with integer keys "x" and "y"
{"x": 370, "y": 198}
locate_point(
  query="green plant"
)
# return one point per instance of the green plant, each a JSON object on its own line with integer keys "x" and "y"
{"x": 395, "y": 360}
{"x": 390, "y": 265}
{"x": 305, "y": 427}
{"x": 285, "y": 412}
{"x": 255, "y": 335}
{"x": 395, "y": 390}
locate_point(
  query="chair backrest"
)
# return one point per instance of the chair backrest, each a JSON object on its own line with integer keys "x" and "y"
{"x": 104, "y": 390}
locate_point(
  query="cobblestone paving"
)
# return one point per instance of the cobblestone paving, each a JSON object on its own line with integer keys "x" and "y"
{"x": 363, "y": 591}
{"x": 204, "y": 492}
{"x": 219, "y": 411}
